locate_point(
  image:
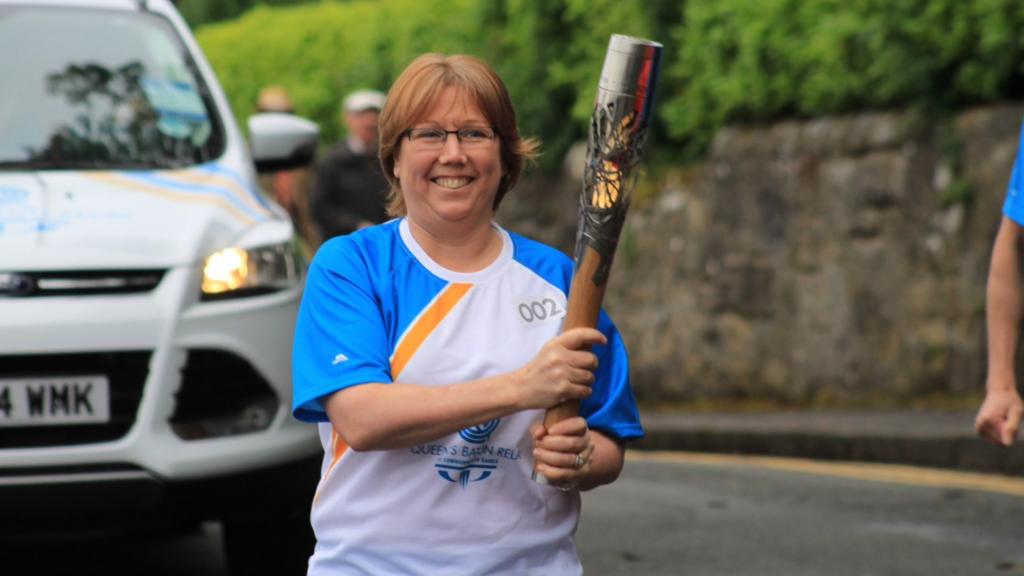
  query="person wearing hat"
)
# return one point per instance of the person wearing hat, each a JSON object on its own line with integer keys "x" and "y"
{"x": 349, "y": 189}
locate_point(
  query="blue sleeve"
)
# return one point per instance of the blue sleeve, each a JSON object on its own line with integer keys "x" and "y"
{"x": 1013, "y": 208}
{"x": 340, "y": 338}
{"x": 611, "y": 408}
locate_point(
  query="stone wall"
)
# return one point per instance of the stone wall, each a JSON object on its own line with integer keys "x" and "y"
{"x": 832, "y": 261}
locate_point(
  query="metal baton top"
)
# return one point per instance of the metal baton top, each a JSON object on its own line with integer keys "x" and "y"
{"x": 630, "y": 69}
{"x": 622, "y": 114}
{"x": 618, "y": 133}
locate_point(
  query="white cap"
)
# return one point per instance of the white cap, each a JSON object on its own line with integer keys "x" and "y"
{"x": 362, "y": 100}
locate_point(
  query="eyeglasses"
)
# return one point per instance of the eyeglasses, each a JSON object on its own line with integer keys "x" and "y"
{"x": 435, "y": 138}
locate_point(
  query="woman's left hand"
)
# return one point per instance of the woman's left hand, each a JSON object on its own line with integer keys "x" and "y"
{"x": 563, "y": 453}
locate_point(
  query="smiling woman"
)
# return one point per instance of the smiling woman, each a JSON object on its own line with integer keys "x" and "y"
{"x": 438, "y": 380}
{"x": 449, "y": 186}
{"x": 418, "y": 94}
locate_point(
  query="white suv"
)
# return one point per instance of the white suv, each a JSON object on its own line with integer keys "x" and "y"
{"x": 148, "y": 290}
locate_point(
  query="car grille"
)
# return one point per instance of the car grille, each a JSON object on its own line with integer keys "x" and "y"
{"x": 126, "y": 372}
{"x": 77, "y": 282}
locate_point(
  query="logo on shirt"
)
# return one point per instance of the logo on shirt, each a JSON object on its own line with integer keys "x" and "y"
{"x": 480, "y": 433}
{"x": 464, "y": 473}
{"x": 473, "y": 459}
{"x": 475, "y": 465}
{"x": 339, "y": 359}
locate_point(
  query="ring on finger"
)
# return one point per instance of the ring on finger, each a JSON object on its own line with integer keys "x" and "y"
{"x": 579, "y": 461}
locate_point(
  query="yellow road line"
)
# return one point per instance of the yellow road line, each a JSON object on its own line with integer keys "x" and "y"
{"x": 891, "y": 473}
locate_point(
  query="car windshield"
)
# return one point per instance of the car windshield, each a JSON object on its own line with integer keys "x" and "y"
{"x": 102, "y": 89}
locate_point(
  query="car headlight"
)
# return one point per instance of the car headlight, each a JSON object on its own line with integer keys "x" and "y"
{"x": 238, "y": 272}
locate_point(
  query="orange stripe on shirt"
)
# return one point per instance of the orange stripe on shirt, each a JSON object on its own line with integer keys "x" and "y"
{"x": 426, "y": 324}
{"x": 411, "y": 342}
{"x": 338, "y": 449}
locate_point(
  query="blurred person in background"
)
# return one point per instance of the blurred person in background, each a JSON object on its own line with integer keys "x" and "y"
{"x": 289, "y": 187}
{"x": 428, "y": 347}
{"x": 349, "y": 189}
{"x": 999, "y": 416}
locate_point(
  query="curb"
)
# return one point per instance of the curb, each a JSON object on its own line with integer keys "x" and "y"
{"x": 878, "y": 443}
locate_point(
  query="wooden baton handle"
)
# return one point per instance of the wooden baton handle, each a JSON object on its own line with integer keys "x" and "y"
{"x": 582, "y": 310}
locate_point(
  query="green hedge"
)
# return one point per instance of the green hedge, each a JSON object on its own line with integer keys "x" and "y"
{"x": 756, "y": 60}
{"x": 725, "y": 61}
{"x": 320, "y": 52}
{"x": 199, "y": 12}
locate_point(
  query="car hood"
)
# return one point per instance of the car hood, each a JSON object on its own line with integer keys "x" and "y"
{"x": 124, "y": 219}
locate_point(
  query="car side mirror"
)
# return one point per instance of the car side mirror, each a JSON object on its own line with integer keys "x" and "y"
{"x": 281, "y": 141}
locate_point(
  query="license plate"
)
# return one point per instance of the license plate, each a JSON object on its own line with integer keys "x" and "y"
{"x": 54, "y": 400}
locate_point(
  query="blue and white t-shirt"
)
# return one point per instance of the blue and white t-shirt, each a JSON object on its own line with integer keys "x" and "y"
{"x": 378, "y": 309}
{"x": 1013, "y": 207}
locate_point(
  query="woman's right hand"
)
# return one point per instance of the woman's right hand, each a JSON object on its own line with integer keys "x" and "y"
{"x": 562, "y": 370}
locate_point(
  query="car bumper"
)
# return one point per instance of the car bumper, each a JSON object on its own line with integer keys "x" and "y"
{"x": 166, "y": 326}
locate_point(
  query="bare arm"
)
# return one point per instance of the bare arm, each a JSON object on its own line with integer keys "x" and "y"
{"x": 398, "y": 415}
{"x": 1000, "y": 414}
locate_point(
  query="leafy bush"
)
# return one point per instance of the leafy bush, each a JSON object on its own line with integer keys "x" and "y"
{"x": 321, "y": 52}
{"x": 725, "y": 61}
{"x": 755, "y": 60}
{"x": 199, "y": 12}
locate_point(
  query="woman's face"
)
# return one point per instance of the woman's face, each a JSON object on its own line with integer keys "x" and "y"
{"x": 456, "y": 182}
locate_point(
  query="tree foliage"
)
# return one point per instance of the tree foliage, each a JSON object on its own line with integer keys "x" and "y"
{"x": 756, "y": 60}
{"x": 199, "y": 12}
{"x": 725, "y": 60}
